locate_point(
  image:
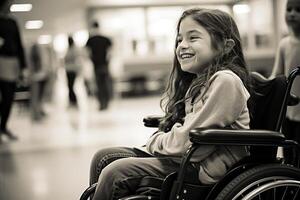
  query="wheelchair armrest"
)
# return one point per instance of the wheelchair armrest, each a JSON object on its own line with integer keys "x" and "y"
{"x": 152, "y": 121}
{"x": 236, "y": 137}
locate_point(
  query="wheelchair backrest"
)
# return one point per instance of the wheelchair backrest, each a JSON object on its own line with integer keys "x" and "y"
{"x": 266, "y": 101}
{"x": 265, "y": 104}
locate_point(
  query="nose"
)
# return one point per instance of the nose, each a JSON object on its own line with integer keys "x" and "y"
{"x": 292, "y": 12}
{"x": 183, "y": 44}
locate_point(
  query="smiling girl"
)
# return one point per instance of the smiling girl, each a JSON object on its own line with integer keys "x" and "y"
{"x": 208, "y": 87}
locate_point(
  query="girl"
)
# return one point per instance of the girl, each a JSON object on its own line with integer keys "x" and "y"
{"x": 207, "y": 87}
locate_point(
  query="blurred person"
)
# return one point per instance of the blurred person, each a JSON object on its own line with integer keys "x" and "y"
{"x": 89, "y": 75}
{"x": 12, "y": 65}
{"x": 99, "y": 48}
{"x": 39, "y": 77}
{"x": 51, "y": 61}
{"x": 73, "y": 65}
{"x": 287, "y": 58}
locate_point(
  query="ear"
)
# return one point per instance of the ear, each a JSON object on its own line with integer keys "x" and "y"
{"x": 229, "y": 44}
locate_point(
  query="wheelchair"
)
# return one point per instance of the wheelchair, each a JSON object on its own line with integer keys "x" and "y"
{"x": 260, "y": 176}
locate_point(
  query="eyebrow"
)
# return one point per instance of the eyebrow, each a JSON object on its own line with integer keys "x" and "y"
{"x": 293, "y": 4}
{"x": 195, "y": 31}
{"x": 192, "y": 31}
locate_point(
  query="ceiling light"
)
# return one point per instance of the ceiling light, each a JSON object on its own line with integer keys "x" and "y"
{"x": 34, "y": 24}
{"x": 20, "y": 7}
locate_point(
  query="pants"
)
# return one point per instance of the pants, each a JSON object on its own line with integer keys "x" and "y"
{"x": 104, "y": 87}
{"x": 37, "y": 94}
{"x": 71, "y": 76}
{"x": 119, "y": 171}
{"x": 291, "y": 130}
{"x": 7, "y": 91}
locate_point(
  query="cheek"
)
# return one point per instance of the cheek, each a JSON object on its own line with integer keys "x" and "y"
{"x": 286, "y": 17}
{"x": 204, "y": 57}
{"x": 177, "y": 53}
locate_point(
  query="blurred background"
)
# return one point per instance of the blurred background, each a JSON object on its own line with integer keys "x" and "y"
{"x": 51, "y": 158}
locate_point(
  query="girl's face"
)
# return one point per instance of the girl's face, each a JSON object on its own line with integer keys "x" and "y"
{"x": 292, "y": 15}
{"x": 194, "y": 51}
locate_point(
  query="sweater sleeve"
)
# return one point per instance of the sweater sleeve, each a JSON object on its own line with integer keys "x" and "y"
{"x": 224, "y": 101}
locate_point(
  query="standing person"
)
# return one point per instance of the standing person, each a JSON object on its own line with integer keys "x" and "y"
{"x": 73, "y": 66}
{"x": 207, "y": 88}
{"x": 99, "y": 47}
{"x": 12, "y": 62}
{"x": 39, "y": 77}
{"x": 288, "y": 58}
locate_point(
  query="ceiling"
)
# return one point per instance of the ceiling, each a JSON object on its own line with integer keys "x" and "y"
{"x": 50, "y": 11}
{"x": 112, "y": 3}
{"x": 68, "y": 15}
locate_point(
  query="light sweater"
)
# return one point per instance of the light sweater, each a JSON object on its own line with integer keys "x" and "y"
{"x": 74, "y": 59}
{"x": 223, "y": 104}
{"x": 287, "y": 58}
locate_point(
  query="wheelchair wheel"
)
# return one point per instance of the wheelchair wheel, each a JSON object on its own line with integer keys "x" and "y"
{"x": 265, "y": 182}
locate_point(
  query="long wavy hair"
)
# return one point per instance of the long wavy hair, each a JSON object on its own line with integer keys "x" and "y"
{"x": 183, "y": 85}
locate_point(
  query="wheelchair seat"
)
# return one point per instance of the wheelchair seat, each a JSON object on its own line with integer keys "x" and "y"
{"x": 259, "y": 176}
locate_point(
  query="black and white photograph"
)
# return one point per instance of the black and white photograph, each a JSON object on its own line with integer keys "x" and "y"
{"x": 149, "y": 99}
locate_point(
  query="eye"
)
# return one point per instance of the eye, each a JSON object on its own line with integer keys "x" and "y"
{"x": 288, "y": 9}
{"x": 297, "y": 9}
{"x": 178, "y": 40}
{"x": 194, "y": 37}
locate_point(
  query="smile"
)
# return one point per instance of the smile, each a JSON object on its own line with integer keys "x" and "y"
{"x": 186, "y": 56}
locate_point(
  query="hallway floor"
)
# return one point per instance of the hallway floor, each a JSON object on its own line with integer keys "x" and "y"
{"x": 51, "y": 158}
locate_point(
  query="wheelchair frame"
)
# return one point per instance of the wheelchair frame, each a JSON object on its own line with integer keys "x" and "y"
{"x": 200, "y": 136}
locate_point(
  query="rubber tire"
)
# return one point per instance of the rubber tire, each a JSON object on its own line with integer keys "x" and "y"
{"x": 255, "y": 174}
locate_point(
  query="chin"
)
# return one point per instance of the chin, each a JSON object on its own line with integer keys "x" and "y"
{"x": 188, "y": 68}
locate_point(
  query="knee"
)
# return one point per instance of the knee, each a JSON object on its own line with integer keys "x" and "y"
{"x": 103, "y": 158}
{"x": 120, "y": 178}
{"x": 99, "y": 156}
{"x": 114, "y": 171}
{"x": 97, "y": 164}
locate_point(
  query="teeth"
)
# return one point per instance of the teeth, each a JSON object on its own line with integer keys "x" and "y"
{"x": 186, "y": 56}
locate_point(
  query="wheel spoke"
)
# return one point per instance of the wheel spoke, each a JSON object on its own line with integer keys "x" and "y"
{"x": 288, "y": 192}
{"x": 282, "y": 198}
{"x": 267, "y": 182}
{"x": 259, "y": 197}
{"x": 284, "y": 184}
{"x": 257, "y": 184}
{"x": 296, "y": 194}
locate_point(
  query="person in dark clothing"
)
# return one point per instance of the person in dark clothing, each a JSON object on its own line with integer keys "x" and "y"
{"x": 73, "y": 64}
{"x": 99, "y": 47}
{"x": 12, "y": 61}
